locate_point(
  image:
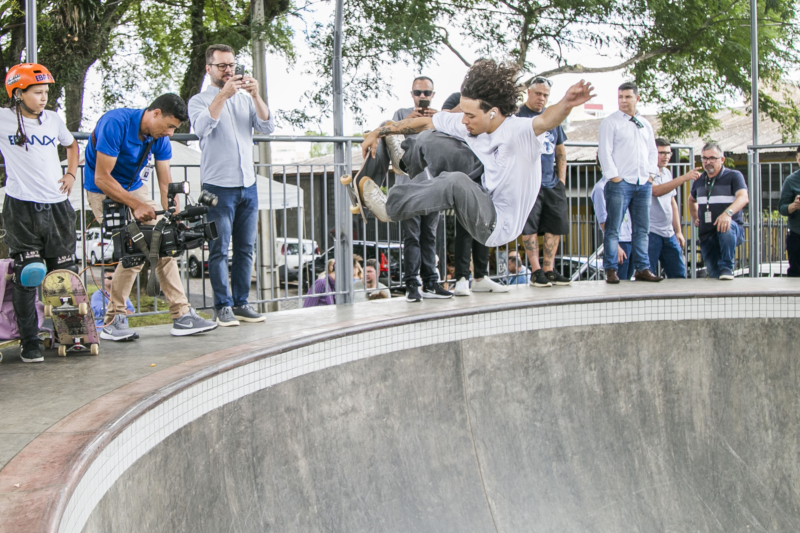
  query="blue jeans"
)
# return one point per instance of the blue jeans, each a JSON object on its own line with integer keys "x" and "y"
{"x": 624, "y": 268}
{"x": 668, "y": 251}
{"x": 719, "y": 250}
{"x": 236, "y": 215}
{"x": 620, "y": 197}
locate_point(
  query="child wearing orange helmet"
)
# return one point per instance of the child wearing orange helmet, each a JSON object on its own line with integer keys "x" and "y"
{"x": 37, "y": 216}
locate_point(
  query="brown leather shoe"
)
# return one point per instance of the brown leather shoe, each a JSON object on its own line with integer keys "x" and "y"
{"x": 611, "y": 276}
{"x": 646, "y": 275}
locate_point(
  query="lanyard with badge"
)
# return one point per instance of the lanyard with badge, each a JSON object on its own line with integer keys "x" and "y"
{"x": 709, "y": 188}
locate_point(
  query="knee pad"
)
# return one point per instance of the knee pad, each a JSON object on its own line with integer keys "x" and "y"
{"x": 29, "y": 269}
{"x": 65, "y": 262}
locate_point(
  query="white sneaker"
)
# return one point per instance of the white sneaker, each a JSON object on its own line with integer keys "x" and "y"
{"x": 462, "y": 287}
{"x": 487, "y": 285}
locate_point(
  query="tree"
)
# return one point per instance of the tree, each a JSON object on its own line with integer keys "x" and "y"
{"x": 690, "y": 57}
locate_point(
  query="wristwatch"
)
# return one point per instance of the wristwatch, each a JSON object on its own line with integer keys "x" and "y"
{"x": 730, "y": 212}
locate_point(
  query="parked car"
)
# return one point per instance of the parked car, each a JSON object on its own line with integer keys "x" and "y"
{"x": 97, "y": 249}
{"x": 199, "y": 256}
{"x": 288, "y": 258}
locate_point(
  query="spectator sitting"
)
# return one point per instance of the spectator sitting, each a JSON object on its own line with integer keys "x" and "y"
{"x": 373, "y": 286}
{"x": 518, "y": 273}
{"x": 325, "y": 284}
{"x": 790, "y": 207}
{"x": 100, "y": 300}
{"x": 723, "y": 193}
{"x": 358, "y": 271}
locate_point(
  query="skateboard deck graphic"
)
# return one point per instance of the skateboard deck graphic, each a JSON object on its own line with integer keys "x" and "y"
{"x": 66, "y": 301}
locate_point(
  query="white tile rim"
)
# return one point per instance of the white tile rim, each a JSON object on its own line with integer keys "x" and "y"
{"x": 120, "y": 444}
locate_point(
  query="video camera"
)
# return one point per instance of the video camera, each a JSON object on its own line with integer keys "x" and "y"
{"x": 175, "y": 232}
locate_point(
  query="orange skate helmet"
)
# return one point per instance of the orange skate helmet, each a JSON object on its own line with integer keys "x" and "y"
{"x": 24, "y": 75}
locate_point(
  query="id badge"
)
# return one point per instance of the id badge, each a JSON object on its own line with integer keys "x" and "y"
{"x": 708, "y": 216}
{"x": 146, "y": 172}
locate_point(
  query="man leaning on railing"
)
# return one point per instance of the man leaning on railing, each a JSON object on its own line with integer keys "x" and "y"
{"x": 223, "y": 117}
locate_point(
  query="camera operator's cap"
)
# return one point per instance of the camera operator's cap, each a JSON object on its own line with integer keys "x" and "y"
{"x": 24, "y": 75}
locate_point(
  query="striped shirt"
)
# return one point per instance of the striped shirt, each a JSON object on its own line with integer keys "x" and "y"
{"x": 727, "y": 183}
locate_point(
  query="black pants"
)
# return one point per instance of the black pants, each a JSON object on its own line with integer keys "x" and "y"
{"x": 793, "y": 251}
{"x": 45, "y": 228}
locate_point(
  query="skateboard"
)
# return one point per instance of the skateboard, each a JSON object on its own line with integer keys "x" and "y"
{"x": 66, "y": 301}
{"x": 356, "y": 206}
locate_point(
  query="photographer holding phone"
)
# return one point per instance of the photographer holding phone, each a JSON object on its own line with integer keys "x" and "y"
{"x": 790, "y": 207}
{"x": 115, "y": 155}
{"x": 224, "y": 117}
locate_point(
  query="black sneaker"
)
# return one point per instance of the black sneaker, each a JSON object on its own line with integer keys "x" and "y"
{"x": 31, "y": 352}
{"x": 436, "y": 291}
{"x": 538, "y": 279}
{"x": 412, "y": 294}
{"x": 556, "y": 278}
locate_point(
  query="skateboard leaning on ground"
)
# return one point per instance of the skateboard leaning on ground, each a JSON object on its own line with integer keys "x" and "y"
{"x": 66, "y": 301}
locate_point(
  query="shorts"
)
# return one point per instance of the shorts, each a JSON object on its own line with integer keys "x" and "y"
{"x": 549, "y": 213}
{"x": 33, "y": 227}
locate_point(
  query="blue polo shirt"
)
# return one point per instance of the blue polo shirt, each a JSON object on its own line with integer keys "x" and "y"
{"x": 117, "y": 134}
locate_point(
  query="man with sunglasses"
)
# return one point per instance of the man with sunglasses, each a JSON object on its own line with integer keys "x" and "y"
{"x": 716, "y": 202}
{"x": 419, "y": 233}
{"x": 224, "y": 117}
{"x": 628, "y": 156}
{"x": 549, "y": 216}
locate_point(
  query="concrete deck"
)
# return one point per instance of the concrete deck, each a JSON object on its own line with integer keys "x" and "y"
{"x": 35, "y": 399}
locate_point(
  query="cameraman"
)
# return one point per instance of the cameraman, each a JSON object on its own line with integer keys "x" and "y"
{"x": 115, "y": 154}
{"x": 224, "y": 117}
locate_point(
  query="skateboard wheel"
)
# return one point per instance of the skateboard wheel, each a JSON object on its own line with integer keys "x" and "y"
{"x": 83, "y": 308}
{"x": 47, "y": 343}
{"x": 62, "y": 350}
{"x": 354, "y": 209}
{"x": 94, "y": 349}
{"x": 48, "y": 311}
{"x": 347, "y": 179}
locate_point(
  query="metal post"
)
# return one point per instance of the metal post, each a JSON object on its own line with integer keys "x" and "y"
{"x": 343, "y": 246}
{"x": 755, "y": 170}
{"x": 30, "y": 31}
{"x": 693, "y": 229}
{"x": 267, "y": 272}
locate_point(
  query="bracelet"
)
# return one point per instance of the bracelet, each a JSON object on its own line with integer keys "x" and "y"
{"x": 71, "y": 174}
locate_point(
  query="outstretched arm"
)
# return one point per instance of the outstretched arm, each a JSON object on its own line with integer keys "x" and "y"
{"x": 554, "y": 115}
{"x": 404, "y": 127}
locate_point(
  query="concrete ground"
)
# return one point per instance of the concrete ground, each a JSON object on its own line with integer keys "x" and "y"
{"x": 33, "y": 397}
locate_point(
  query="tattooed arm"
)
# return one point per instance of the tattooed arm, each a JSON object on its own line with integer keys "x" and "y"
{"x": 404, "y": 127}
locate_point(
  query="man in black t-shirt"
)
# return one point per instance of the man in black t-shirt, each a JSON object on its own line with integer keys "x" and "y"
{"x": 716, "y": 202}
{"x": 550, "y": 214}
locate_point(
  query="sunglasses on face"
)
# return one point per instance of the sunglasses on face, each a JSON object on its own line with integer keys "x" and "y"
{"x": 109, "y": 278}
{"x": 422, "y": 93}
{"x": 540, "y": 79}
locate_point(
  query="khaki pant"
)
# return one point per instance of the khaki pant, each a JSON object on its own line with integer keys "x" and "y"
{"x": 124, "y": 278}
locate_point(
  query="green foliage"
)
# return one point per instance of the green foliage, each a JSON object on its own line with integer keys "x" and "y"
{"x": 690, "y": 57}
{"x": 319, "y": 149}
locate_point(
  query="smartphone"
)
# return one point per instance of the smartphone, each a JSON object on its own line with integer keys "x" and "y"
{"x": 239, "y": 70}
{"x": 424, "y": 104}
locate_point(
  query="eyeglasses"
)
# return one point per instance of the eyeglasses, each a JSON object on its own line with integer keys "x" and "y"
{"x": 223, "y": 66}
{"x": 540, "y": 79}
{"x": 664, "y": 153}
{"x": 636, "y": 121}
{"x": 421, "y": 93}
{"x": 710, "y": 159}
{"x": 109, "y": 278}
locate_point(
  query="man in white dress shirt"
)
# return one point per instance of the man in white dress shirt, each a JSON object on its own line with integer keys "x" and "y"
{"x": 629, "y": 159}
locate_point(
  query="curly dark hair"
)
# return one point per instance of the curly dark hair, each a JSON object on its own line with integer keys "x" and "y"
{"x": 494, "y": 85}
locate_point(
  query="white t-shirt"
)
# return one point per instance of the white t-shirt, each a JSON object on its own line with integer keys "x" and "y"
{"x": 661, "y": 207}
{"x": 33, "y": 174}
{"x": 511, "y": 158}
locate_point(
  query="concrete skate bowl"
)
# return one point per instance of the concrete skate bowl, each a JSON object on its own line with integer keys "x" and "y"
{"x": 649, "y": 415}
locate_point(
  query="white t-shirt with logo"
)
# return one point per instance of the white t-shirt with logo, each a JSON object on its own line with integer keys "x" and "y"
{"x": 511, "y": 158}
{"x": 32, "y": 175}
{"x": 661, "y": 207}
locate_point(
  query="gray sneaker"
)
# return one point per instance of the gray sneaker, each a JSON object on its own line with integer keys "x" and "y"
{"x": 191, "y": 323}
{"x": 225, "y": 317}
{"x": 246, "y": 313}
{"x": 118, "y": 330}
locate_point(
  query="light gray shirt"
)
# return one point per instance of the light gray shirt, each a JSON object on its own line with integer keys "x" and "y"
{"x": 661, "y": 207}
{"x": 227, "y": 143}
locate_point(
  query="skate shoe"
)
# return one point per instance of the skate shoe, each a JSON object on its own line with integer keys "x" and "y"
{"x": 373, "y": 198}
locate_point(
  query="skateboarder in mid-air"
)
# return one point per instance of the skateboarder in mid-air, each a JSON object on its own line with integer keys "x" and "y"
{"x": 494, "y": 213}
{"x": 38, "y": 219}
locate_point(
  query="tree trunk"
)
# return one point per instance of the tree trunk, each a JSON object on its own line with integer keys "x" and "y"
{"x": 73, "y": 102}
{"x": 196, "y": 70}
